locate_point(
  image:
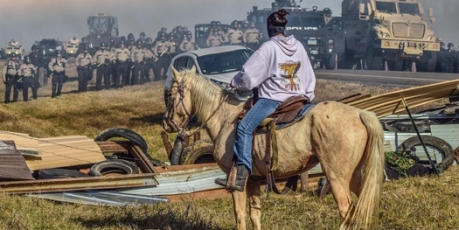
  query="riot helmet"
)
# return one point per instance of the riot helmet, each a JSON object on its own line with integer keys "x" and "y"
{"x": 142, "y": 34}
{"x": 58, "y": 52}
{"x": 139, "y": 44}
{"x": 26, "y": 59}
{"x": 130, "y": 36}
{"x": 450, "y": 45}
{"x": 122, "y": 43}
{"x": 123, "y": 38}
{"x": 103, "y": 45}
{"x": 163, "y": 29}
{"x": 83, "y": 39}
{"x": 327, "y": 12}
{"x": 13, "y": 55}
{"x": 276, "y": 22}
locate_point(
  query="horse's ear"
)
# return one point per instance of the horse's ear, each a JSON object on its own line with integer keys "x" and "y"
{"x": 193, "y": 69}
{"x": 175, "y": 73}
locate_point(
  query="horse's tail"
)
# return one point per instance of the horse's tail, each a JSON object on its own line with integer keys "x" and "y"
{"x": 370, "y": 195}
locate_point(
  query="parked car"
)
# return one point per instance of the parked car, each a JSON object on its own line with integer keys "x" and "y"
{"x": 219, "y": 64}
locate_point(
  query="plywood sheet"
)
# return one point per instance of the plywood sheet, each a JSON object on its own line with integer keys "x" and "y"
{"x": 66, "y": 151}
{"x": 390, "y": 103}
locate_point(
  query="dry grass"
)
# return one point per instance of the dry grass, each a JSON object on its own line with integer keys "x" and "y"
{"x": 414, "y": 203}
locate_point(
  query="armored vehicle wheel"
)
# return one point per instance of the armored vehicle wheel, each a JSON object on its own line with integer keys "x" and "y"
{"x": 199, "y": 152}
{"x": 396, "y": 65}
{"x": 331, "y": 62}
{"x": 431, "y": 63}
{"x": 374, "y": 62}
{"x": 432, "y": 143}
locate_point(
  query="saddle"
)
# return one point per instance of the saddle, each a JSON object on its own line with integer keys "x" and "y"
{"x": 286, "y": 113}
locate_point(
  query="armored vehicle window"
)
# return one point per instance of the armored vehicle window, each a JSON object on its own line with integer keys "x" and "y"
{"x": 408, "y": 8}
{"x": 388, "y": 7}
{"x": 181, "y": 63}
{"x": 312, "y": 21}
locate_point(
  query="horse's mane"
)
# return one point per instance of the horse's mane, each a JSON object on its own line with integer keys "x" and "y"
{"x": 208, "y": 91}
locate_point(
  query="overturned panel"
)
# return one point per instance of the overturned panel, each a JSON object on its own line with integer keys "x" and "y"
{"x": 12, "y": 163}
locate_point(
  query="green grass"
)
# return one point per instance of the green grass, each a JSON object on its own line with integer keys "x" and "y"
{"x": 414, "y": 203}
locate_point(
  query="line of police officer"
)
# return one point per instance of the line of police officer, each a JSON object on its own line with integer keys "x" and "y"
{"x": 237, "y": 34}
{"x": 447, "y": 59}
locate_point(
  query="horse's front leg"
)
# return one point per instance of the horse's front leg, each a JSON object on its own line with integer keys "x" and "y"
{"x": 253, "y": 192}
{"x": 239, "y": 202}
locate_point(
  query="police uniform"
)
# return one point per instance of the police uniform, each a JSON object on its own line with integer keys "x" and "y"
{"x": 187, "y": 45}
{"x": 214, "y": 39}
{"x": 27, "y": 73}
{"x": 251, "y": 38}
{"x": 234, "y": 36}
{"x": 122, "y": 56}
{"x": 160, "y": 51}
{"x": 84, "y": 67}
{"x": 102, "y": 61}
{"x": 57, "y": 68}
{"x": 149, "y": 63}
{"x": 138, "y": 57}
{"x": 10, "y": 76}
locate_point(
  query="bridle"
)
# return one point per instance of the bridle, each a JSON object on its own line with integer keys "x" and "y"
{"x": 182, "y": 130}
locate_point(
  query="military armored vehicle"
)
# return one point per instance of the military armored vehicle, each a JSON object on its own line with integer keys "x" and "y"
{"x": 385, "y": 34}
{"x": 71, "y": 47}
{"x": 102, "y": 28}
{"x": 319, "y": 32}
{"x": 13, "y": 47}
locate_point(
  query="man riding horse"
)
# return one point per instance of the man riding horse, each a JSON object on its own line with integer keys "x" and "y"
{"x": 280, "y": 69}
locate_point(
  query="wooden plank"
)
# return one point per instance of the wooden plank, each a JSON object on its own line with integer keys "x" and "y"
{"x": 110, "y": 147}
{"x": 390, "y": 103}
{"x": 76, "y": 184}
{"x": 142, "y": 160}
{"x": 56, "y": 152}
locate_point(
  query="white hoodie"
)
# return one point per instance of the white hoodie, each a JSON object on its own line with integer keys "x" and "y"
{"x": 280, "y": 68}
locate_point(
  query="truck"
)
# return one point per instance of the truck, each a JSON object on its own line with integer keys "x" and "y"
{"x": 389, "y": 35}
{"x": 318, "y": 30}
{"x": 102, "y": 28}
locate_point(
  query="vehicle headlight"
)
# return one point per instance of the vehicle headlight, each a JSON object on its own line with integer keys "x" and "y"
{"x": 429, "y": 37}
{"x": 221, "y": 84}
{"x": 384, "y": 34}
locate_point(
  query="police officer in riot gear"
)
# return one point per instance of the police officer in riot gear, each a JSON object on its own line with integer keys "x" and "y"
{"x": 57, "y": 68}
{"x": 10, "y": 77}
{"x": 27, "y": 72}
{"x": 160, "y": 51}
{"x": 138, "y": 57}
{"x": 103, "y": 66}
{"x": 122, "y": 58}
{"x": 84, "y": 67}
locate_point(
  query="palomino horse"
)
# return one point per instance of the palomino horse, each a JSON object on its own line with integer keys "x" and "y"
{"x": 345, "y": 140}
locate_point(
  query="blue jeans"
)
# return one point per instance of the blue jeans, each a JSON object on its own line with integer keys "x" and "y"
{"x": 243, "y": 145}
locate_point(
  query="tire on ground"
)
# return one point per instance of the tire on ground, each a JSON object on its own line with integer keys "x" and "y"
{"x": 59, "y": 173}
{"x": 134, "y": 137}
{"x": 199, "y": 152}
{"x": 438, "y": 143}
{"x": 113, "y": 166}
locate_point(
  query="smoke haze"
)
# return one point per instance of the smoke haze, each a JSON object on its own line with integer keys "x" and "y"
{"x": 27, "y": 21}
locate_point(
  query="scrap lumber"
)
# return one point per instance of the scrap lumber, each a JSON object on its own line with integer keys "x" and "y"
{"x": 391, "y": 103}
{"x": 12, "y": 163}
{"x": 77, "y": 184}
{"x": 66, "y": 151}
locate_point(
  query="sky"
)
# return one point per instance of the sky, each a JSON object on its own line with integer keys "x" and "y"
{"x": 63, "y": 19}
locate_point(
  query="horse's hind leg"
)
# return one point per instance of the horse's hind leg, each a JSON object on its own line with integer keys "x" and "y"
{"x": 239, "y": 202}
{"x": 356, "y": 180}
{"x": 253, "y": 192}
{"x": 342, "y": 195}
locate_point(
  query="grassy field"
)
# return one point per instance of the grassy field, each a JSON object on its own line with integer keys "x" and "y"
{"x": 414, "y": 203}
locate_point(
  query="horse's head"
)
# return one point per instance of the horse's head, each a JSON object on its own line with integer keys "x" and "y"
{"x": 179, "y": 107}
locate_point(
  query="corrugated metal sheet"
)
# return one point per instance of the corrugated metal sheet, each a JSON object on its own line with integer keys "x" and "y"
{"x": 98, "y": 197}
{"x": 447, "y": 132}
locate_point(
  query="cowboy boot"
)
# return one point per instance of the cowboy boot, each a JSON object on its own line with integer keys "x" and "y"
{"x": 53, "y": 92}
{"x": 236, "y": 178}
